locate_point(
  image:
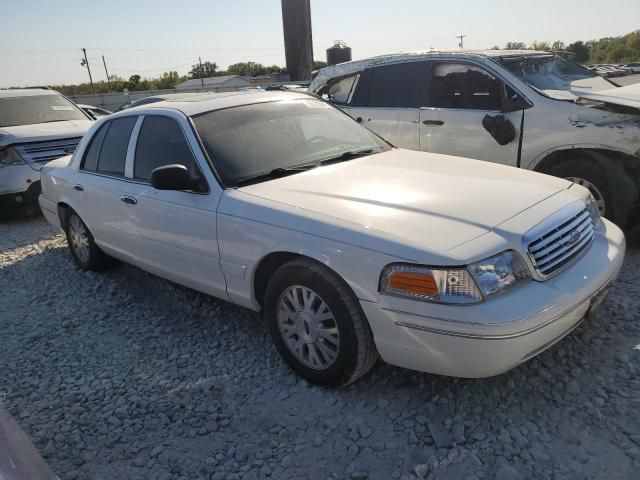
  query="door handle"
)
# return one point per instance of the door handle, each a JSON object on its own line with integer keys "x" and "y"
{"x": 435, "y": 123}
{"x": 79, "y": 188}
{"x": 128, "y": 200}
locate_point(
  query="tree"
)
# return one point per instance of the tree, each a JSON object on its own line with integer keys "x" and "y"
{"x": 208, "y": 70}
{"x": 557, "y": 45}
{"x": 543, "y": 46}
{"x": 252, "y": 69}
{"x": 580, "y": 50}
{"x": 318, "y": 64}
{"x": 515, "y": 46}
{"x": 168, "y": 80}
{"x": 495, "y": 47}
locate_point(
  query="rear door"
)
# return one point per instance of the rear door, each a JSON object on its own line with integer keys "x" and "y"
{"x": 462, "y": 95}
{"x": 387, "y": 100}
{"x": 175, "y": 234}
{"x": 101, "y": 183}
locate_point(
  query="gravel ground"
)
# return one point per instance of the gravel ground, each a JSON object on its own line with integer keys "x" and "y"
{"x": 125, "y": 375}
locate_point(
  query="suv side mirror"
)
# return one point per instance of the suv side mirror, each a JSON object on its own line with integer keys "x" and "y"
{"x": 173, "y": 177}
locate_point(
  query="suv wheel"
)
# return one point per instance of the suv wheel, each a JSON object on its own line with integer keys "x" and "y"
{"x": 317, "y": 325}
{"x": 600, "y": 182}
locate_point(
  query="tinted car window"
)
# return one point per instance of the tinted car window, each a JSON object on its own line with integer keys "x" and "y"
{"x": 90, "y": 161}
{"x": 340, "y": 91}
{"x": 457, "y": 85}
{"x": 113, "y": 153}
{"x": 161, "y": 142}
{"x": 400, "y": 85}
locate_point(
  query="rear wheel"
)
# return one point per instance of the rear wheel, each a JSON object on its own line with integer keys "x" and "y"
{"x": 84, "y": 251}
{"x": 316, "y": 324}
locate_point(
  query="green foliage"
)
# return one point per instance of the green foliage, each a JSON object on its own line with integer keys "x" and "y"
{"x": 208, "y": 70}
{"x": 558, "y": 45}
{"x": 542, "y": 46}
{"x": 318, "y": 64}
{"x": 515, "y": 46}
{"x": 252, "y": 69}
{"x": 580, "y": 50}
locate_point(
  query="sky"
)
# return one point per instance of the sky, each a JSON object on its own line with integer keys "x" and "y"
{"x": 41, "y": 40}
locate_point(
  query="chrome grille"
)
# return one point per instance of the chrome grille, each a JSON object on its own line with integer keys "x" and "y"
{"x": 560, "y": 244}
{"x": 46, "y": 151}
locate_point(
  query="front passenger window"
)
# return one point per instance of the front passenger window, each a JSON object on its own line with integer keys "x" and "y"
{"x": 161, "y": 142}
{"x": 463, "y": 86}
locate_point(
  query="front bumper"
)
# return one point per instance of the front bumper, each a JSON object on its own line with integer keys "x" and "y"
{"x": 490, "y": 338}
{"x": 20, "y": 203}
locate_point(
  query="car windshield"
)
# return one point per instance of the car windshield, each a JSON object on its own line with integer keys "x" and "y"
{"x": 252, "y": 140}
{"x": 552, "y": 72}
{"x": 28, "y": 110}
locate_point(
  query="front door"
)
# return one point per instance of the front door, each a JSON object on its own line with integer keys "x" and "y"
{"x": 462, "y": 95}
{"x": 175, "y": 231}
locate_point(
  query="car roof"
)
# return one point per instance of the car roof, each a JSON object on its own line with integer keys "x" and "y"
{"x": 357, "y": 65}
{"x": 206, "y": 102}
{"x": 26, "y": 92}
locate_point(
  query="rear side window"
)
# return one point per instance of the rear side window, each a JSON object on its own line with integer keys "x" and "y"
{"x": 400, "y": 85}
{"x": 113, "y": 153}
{"x": 161, "y": 142}
{"x": 458, "y": 85}
{"x": 90, "y": 161}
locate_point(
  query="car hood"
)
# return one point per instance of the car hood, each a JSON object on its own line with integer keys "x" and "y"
{"x": 628, "y": 96}
{"x": 416, "y": 199}
{"x": 42, "y": 132}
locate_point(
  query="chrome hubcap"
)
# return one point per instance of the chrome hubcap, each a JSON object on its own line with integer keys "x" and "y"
{"x": 308, "y": 327}
{"x": 597, "y": 194}
{"x": 79, "y": 238}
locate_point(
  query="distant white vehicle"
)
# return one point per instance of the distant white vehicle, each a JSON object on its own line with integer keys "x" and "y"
{"x": 528, "y": 109}
{"x": 36, "y": 125}
{"x": 634, "y": 67}
{"x": 95, "y": 112}
{"x": 351, "y": 248}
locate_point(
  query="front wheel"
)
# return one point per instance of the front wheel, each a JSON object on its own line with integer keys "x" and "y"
{"x": 316, "y": 324}
{"x": 609, "y": 193}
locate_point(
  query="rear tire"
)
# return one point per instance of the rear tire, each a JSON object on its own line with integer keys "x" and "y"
{"x": 317, "y": 325}
{"x": 84, "y": 251}
{"x": 603, "y": 185}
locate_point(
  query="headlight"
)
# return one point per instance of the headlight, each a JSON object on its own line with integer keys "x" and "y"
{"x": 594, "y": 210}
{"x": 497, "y": 273}
{"x": 8, "y": 157}
{"x": 452, "y": 285}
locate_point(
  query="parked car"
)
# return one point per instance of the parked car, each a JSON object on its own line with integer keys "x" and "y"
{"x": 634, "y": 67}
{"x": 533, "y": 110}
{"x": 95, "y": 112}
{"x": 351, "y": 248}
{"x": 36, "y": 125}
{"x": 159, "y": 98}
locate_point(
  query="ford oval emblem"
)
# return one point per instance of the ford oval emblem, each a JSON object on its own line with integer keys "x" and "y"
{"x": 574, "y": 237}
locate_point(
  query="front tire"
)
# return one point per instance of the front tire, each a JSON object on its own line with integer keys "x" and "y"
{"x": 317, "y": 325}
{"x": 84, "y": 251}
{"x": 610, "y": 194}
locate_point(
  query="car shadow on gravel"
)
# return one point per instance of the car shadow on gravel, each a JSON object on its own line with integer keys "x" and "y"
{"x": 126, "y": 375}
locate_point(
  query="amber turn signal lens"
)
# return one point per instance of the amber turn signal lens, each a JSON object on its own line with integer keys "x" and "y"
{"x": 412, "y": 282}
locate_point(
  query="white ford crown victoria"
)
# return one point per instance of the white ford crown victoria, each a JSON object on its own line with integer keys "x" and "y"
{"x": 351, "y": 248}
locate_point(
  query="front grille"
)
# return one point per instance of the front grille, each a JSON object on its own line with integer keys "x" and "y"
{"x": 46, "y": 151}
{"x": 559, "y": 245}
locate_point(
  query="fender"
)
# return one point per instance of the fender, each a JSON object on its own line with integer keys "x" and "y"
{"x": 535, "y": 162}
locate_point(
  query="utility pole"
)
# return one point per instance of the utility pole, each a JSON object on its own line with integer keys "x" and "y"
{"x": 461, "y": 37}
{"x": 107, "y": 72}
{"x": 85, "y": 63}
{"x": 201, "y": 72}
{"x": 298, "y": 41}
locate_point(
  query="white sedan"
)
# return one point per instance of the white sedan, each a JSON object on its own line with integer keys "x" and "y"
{"x": 351, "y": 248}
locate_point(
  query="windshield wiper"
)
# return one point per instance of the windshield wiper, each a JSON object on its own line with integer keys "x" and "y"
{"x": 344, "y": 156}
{"x": 276, "y": 173}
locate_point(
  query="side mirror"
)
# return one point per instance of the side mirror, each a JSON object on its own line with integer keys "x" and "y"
{"x": 173, "y": 177}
